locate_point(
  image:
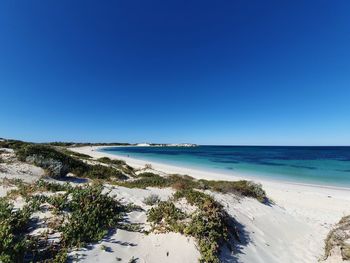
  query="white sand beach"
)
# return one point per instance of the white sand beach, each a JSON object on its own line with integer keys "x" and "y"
{"x": 292, "y": 229}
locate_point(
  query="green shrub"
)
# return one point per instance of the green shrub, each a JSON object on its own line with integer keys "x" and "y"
{"x": 110, "y": 161}
{"x": 104, "y": 172}
{"x": 26, "y": 190}
{"x": 194, "y": 197}
{"x": 61, "y": 256}
{"x": 56, "y": 163}
{"x": 13, "y": 225}
{"x": 75, "y": 154}
{"x": 242, "y": 187}
{"x": 87, "y": 214}
{"x": 167, "y": 215}
{"x": 51, "y": 186}
{"x": 147, "y": 180}
{"x": 91, "y": 215}
{"x": 147, "y": 175}
{"x": 183, "y": 182}
{"x": 120, "y": 164}
{"x": 180, "y": 182}
{"x": 210, "y": 224}
{"x": 13, "y": 144}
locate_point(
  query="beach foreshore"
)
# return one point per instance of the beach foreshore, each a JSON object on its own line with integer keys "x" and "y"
{"x": 294, "y": 227}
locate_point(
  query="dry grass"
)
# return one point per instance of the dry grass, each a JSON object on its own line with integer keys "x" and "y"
{"x": 339, "y": 237}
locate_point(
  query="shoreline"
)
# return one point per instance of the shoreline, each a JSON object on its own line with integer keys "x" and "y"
{"x": 211, "y": 174}
{"x": 276, "y": 189}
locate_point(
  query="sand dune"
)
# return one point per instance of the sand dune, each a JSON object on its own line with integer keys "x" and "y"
{"x": 292, "y": 229}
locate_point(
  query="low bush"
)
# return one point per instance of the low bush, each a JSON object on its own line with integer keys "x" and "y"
{"x": 56, "y": 163}
{"x": 13, "y": 225}
{"x": 167, "y": 216}
{"x": 120, "y": 164}
{"x": 180, "y": 182}
{"x": 110, "y": 161}
{"x": 147, "y": 175}
{"x": 26, "y": 190}
{"x": 210, "y": 224}
{"x": 194, "y": 197}
{"x": 242, "y": 187}
{"x": 91, "y": 215}
{"x": 147, "y": 180}
{"x": 13, "y": 144}
{"x": 152, "y": 199}
{"x": 51, "y": 186}
{"x": 86, "y": 215}
{"x": 75, "y": 154}
{"x": 104, "y": 172}
{"x": 183, "y": 182}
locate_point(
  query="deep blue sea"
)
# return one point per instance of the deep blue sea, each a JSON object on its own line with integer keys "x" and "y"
{"x": 315, "y": 165}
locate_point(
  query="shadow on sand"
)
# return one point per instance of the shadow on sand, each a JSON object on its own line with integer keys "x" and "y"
{"x": 238, "y": 239}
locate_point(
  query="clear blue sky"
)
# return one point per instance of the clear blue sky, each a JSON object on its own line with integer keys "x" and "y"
{"x": 208, "y": 72}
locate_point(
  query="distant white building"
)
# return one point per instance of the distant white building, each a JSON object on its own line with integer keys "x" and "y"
{"x": 143, "y": 144}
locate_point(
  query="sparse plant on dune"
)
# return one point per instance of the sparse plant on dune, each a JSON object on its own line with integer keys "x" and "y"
{"x": 166, "y": 217}
{"x": 151, "y": 199}
{"x": 339, "y": 238}
{"x": 148, "y": 166}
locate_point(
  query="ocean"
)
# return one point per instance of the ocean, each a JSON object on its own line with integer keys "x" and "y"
{"x": 328, "y": 166}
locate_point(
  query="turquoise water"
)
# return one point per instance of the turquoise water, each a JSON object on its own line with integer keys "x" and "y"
{"x": 315, "y": 165}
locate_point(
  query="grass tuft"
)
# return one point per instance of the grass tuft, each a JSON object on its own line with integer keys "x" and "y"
{"x": 152, "y": 199}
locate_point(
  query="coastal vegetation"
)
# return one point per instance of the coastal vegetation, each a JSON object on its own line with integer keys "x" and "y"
{"x": 13, "y": 226}
{"x": 151, "y": 199}
{"x": 59, "y": 163}
{"x": 339, "y": 238}
{"x": 119, "y": 164}
{"x": 209, "y": 224}
{"x": 180, "y": 182}
{"x": 91, "y": 215}
{"x": 84, "y": 213}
